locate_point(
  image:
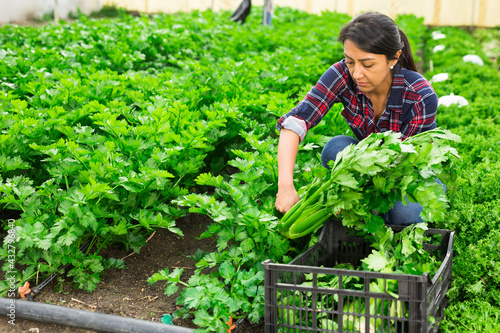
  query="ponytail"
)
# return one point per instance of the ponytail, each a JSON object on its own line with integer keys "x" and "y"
{"x": 406, "y": 57}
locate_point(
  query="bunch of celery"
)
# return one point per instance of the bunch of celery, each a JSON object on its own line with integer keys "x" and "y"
{"x": 367, "y": 179}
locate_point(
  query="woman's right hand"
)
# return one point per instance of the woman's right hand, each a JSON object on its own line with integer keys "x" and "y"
{"x": 286, "y": 199}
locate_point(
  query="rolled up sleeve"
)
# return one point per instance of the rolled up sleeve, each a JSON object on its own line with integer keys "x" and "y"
{"x": 294, "y": 124}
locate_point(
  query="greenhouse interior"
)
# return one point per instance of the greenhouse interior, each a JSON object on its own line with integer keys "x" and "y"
{"x": 250, "y": 166}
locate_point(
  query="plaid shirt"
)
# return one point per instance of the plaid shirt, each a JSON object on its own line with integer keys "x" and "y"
{"x": 411, "y": 106}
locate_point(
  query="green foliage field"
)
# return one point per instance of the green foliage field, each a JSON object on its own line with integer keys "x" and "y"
{"x": 475, "y": 196}
{"x": 113, "y": 127}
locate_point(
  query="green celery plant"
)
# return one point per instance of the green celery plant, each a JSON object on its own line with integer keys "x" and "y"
{"x": 370, "y": 177}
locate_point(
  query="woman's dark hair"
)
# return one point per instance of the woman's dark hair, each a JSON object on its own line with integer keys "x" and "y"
{"x": 379, "y": 34}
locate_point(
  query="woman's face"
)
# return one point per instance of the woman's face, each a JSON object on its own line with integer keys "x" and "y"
{"x": 371, "y": 72}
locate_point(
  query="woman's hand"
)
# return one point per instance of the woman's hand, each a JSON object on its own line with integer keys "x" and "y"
{"x": 285, "y": 199}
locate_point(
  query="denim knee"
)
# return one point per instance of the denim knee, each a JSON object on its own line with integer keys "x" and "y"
{"x": 407, "y": 214}
{"x": 334, "y": 146}
{"x": 401, "y": 214}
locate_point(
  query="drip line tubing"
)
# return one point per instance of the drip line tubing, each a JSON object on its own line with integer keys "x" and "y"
{"x": 100, "y": 322}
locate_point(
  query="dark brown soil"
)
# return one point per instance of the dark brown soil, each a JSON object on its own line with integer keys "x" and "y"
{"x": 126, "y": 292}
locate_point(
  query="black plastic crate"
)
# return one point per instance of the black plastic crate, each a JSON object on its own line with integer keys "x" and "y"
{"x": 293, "y": 307}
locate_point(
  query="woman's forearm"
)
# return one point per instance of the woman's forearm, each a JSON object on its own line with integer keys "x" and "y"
{"x": 288, "y": 147}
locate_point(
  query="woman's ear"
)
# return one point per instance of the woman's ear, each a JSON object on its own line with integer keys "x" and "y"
{"x": 398, "y": 54}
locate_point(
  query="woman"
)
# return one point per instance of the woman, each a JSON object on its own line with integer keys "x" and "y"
{"x": 378, "y": 84}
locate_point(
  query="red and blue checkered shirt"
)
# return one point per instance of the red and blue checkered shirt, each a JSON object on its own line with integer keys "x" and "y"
{"x": 411, "y": 105}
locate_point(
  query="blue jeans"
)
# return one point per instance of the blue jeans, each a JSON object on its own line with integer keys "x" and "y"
{"x": 400, "y": 214}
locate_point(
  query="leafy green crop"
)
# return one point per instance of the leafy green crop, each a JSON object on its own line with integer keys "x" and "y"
{"x": 110, "y": 128}
{"x": 106, "y": 121}
{"x": 107, "y": 178}
{"x": 474, "y": 196}
{"x": 229, "y": 282}
{"x": 370, "y": 177}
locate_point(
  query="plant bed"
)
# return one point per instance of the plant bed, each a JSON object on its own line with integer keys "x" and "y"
{"x": 293, "y": 306}
{"x": 125, "y": 292}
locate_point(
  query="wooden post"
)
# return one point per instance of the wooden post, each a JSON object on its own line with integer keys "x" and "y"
{"x": 308, "y": 6}
{"x": 437, "y": 12}
{"x": 56, "y": 13}
{"x": 350, "y": 8}
{"x": 393, "y": 8}
{"x": 483, "y": 7}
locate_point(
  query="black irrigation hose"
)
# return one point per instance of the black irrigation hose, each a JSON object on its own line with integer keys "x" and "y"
{"x": 83, "y": 319}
